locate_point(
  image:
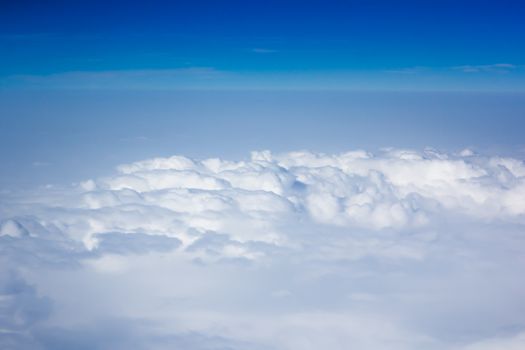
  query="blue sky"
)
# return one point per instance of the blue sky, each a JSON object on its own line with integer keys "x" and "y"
{"x": 56, "y": 136}
{"x": 79, "y": 78}
{"x": 262, "y": 174}
{"x": 431, "y": 45}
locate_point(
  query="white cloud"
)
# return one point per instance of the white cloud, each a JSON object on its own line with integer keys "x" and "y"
{"x": 512, "y": 343}
{"x": 487, "y": 68}
{"x": 121, "y": 79}
{"x": 263, "y": 50}
{"x": 500, "y": 68}
{"x": 12, "y": 228}
{"x": 395, "y": 250}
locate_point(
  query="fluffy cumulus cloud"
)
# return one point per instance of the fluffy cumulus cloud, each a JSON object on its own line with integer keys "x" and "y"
{"x": 395, "y": 250}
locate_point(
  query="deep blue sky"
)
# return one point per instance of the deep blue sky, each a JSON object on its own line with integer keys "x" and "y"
{"x": 85, "y": 85}
{"x": 432, "y": 45}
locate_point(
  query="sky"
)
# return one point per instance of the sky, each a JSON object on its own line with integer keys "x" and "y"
{"x": 430, "y": 45}
{"x": 147, "y": 79}
{"x": 53, "y": 137}
{"x": 277, "y": 175}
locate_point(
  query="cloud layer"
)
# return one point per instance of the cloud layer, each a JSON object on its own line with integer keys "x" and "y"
{"x": 395, "y": 250}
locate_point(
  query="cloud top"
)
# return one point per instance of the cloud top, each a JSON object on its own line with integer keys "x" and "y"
{"x": 420, "y": 249}
{"x": 394, "y": 189}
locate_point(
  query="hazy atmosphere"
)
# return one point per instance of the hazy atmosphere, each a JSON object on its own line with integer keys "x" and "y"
{"x": 284, "y": 175}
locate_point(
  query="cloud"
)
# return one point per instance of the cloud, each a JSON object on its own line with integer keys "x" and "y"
{"x": 12, "y": 228}
{"x": 487, "y": 68}
{"x": 20, "y": 310}
{"x": 410, "y": 70}
{"x": 263, "y": 50}
{"x": 38, "y": 164}
{"x": 398, "y": 249}
{"x": 418, "y": 78}
{"x": 513, "y": 343}
{"x": 498, "y": 68}
{"x": 120, "y": 79}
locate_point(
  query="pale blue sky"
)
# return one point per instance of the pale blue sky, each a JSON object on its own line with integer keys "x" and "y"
{"x": 56, "y": 136}
{"x": 388, "y": 249}
{"x": 89, "y": 84}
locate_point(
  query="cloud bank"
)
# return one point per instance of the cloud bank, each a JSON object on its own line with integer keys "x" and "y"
{"x": 395, "y": 250}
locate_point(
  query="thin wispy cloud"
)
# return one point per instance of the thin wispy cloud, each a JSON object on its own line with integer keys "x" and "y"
{"x": 209, "y": 78}
{"x": 119, "y": 79}
{"x": 39, "y": 163}
{"x": 410, "y": 70}
{"x": 263, "y": 50}
{"x": 484, "y": 68}
{"x": 487, "y": 68}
